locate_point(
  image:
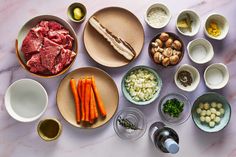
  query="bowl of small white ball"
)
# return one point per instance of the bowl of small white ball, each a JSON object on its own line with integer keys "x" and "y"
{"x": 211, "y": 112}
{"x": 141, "y": 85}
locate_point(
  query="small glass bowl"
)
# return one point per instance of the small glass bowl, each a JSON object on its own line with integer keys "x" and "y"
{"x": 184, "y": 115}
{"x": 136, "y": 117}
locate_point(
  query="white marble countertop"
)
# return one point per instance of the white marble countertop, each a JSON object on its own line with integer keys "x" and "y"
{"x": 21, "y": 139}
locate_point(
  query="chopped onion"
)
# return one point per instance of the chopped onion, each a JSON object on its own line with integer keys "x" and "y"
{"x": 141, "y": 84}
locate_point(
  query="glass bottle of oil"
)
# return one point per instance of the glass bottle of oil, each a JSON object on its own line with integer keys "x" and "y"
{"x": 164, "y": 138}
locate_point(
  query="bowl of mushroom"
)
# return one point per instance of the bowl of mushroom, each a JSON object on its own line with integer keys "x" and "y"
{"x": 166, "y": 49}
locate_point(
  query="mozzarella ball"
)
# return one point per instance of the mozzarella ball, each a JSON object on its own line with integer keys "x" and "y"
{"x": 213, "y": 104}
{"x": 213, "y": 110}
{"x": 207, "y": 119}
{"x": 213, "y": 116}
{"x": 217, "y": 119}
{"x": 222, "y": 111}
{"x": 219, "y": 105}
{"x": 202, "y": 119}
{"x": 199, "y": 110}
{"x": 208, "y": 112}
{"x": 211, "y": 124}
{"x": 218, "y": 113}
{"x": 201, "y": 105}
{"x": 203, "y": 113}
{"x": 206, "y": 106}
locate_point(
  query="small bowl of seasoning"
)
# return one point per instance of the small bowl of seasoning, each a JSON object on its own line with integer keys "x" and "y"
{"x": 76, "y": 12}
{"x": 174, "y": 108}
{"x": 49, "y": 129}
{"x": 157, "y": 16}
{"x": 130, "y": 124}
{"x": 216, "y": 76}
{"x": 188, "y": 23}
{"x": 216, "y": 27}
{"x": 200, "y": 51}
{"x": 187, "y": 78}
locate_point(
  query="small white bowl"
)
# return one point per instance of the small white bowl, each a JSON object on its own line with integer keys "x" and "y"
{"x": 161, "y": 6}
{"x": 195, "y": 25}
{"x": 194, "y": 74}
{"x": 200, "y": 51}
{"x": 222, "y": 23}
{"x": 26, "y": 100}
{"x": 216, "y": 76}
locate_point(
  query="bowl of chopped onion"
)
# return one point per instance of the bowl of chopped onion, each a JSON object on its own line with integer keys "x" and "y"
{"x": 141, "y": 85}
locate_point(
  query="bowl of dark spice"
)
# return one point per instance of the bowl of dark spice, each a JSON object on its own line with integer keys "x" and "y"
{"x": 187, "y": 78}
{"x": 129, "y": 124}
{"x": 174, "y": 108}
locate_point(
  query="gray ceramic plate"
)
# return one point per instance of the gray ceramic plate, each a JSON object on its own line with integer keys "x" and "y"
{"x": 126, "y": 93}
{"x": 212, "y": 97}
{"x": 24, "y": 31}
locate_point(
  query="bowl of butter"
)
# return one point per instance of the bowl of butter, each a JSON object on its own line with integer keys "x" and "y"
{"x": 76, "y": 12}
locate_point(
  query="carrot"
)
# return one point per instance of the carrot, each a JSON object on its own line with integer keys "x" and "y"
{"x": 76, "y": 99}
{"x": 83, "y": 98}
{"x": 79, "y": 88}
{"x": 92, "y": 107}
{"x": 101, "y": 106}
{"x": 87, "y": 98}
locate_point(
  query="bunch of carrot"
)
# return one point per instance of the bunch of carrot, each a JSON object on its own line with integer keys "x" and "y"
{"x": 88, "y": 102}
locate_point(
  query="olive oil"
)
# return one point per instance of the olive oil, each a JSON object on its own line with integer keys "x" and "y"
{"x": 164, "y": 138}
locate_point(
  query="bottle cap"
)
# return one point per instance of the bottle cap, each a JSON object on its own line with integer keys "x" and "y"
{"x": 171, "y": 146}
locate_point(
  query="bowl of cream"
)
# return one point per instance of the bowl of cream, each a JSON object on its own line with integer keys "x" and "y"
{"x": 216, "y": 76}
{"x": 200, "y": 51}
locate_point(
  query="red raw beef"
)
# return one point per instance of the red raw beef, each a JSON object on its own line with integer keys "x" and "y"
{"x": 35, "y": 64}
{"x": 47, "y": 48}
{"x": 31, "y": 44}
{"x": 49, "y": 53}
{"x": 54, "y": 25}
{"x": 65, "y": 58}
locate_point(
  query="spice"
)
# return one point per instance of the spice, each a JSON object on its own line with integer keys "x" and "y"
{"x": 185, "y": 78}
{"x": 78, "y": 14}
{"x": 127, "y": 124}
{"x": 185, "y": 23}
{"x": 157, "y": 17}
{"x": 173, "y": 107}
{"x": 213, "y": 29}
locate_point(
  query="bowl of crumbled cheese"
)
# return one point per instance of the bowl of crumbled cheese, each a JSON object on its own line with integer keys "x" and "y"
{"x": 157, "y": 15}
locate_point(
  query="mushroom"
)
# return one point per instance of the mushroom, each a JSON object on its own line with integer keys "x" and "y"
{"x": 168, "y": 52}
{"x": 177, "y": 45}
{"x": 158, "y": 57}
{"x": 166, "y": 62}
{"x": 164, "y": 36}
{"x": 169, "y": 42}
{"x": 174, "y": 59}
{"x": 154, "y": 44}
{"x": 159, "y": 42}
{"x": 177, "y": 53}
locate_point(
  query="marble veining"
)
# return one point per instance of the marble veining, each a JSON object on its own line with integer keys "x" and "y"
{"x": 21, "y": 139}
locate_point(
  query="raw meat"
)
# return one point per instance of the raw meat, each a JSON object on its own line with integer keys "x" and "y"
{"x": 35, "y": 64}
{"x": 48, "y": 48}
{"x": 31, "y": 44}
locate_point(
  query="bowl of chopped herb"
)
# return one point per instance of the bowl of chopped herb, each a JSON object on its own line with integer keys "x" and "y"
{"x": 129, "y": 124}
{"x": 174, "y": 108}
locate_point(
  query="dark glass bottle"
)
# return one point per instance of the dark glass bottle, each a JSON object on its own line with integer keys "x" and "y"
{"x": 164, "y": 138}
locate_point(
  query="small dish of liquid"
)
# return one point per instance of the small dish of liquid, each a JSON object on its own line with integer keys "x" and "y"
{"x": 49, "y": 129}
